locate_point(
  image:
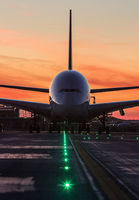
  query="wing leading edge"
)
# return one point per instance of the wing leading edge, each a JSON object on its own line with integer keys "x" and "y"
{"x": 96, "y": 110}
{"x": 112, "y": 89}
{"x": 45, "y": 90}
{"x": 91, "y": 90}
{"x": 26, "y": 88}
{"x": 40, "y": 108}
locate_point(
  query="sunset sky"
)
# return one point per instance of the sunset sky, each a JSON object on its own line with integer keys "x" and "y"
{"x": 34, "y": 46}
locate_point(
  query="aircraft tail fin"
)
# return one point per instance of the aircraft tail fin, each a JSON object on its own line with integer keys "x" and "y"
{"x": 70, "y": 42}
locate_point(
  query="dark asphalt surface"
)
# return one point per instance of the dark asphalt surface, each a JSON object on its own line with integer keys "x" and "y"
{"x": 119, "y": 154}
{"x": 32, "y": 167}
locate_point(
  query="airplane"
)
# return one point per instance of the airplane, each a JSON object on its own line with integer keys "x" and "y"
{"x": 69, "y": 96}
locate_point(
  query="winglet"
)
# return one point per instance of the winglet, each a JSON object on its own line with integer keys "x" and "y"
{"x": 70, "y": 41}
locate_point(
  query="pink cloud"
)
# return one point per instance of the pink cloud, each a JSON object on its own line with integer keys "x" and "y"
{"x": 20, "y": 8}
{"x": 13, "y": 38}
{"x": 35, "y": 43}
{"x": 7, "y": 32}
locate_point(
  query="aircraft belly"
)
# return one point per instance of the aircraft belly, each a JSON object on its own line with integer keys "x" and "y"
{"x": 70, "y": 113}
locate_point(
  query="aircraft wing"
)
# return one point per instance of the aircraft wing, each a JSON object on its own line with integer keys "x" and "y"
{"x": 112, "y": 89}
{"x": 96, "y": 110}
{"x": 26, "y": 88}
{"x": 47, "y": 90}
{"x": 40, "y": 108}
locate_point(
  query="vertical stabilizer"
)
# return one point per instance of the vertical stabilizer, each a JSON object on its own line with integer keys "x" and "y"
{"x": 70, "y": 41}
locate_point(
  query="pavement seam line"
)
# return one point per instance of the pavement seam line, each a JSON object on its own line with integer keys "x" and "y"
{"x": 87, "y": 173}
{"x": 110, "y": 187}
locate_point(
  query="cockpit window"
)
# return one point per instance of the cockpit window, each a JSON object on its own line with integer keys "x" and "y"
{"x": 69, "y": 90}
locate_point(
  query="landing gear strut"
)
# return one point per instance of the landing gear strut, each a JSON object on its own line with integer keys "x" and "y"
{"x": 103, "y": 120}
{"x": 34, "y": 125}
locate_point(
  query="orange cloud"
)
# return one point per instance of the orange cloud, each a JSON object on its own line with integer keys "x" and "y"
{"x": 20, "y": 70}
{"x": 105, "y": 77}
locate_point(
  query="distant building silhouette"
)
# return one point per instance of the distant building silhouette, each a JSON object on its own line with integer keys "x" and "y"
{"x": 8, "y": 112}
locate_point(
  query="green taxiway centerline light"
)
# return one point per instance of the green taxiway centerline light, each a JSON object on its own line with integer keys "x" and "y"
{"x": 66, "y": 159}
{"x": 137, "y": 138}
{"x": 67, "y": 185}
{"x": 65, "y": 154}
{"x": 66, "y": 168}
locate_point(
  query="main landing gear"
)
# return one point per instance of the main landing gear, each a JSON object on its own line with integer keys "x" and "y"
{"x": 104, "y": 127}
{"x": 34, "y": 124}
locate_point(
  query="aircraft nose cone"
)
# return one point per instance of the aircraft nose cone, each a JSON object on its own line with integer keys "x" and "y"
{"x": 70, "y": 100}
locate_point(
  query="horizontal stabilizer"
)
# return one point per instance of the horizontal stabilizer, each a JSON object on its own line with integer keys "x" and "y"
{"x": 112, "y": 89}
{"x": 26, "y": 88}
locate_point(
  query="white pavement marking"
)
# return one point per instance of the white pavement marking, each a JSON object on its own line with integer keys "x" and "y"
{"x": 31, "y": 147}
{"x": 16, "y": 184}
{"x": 24, "y": 156}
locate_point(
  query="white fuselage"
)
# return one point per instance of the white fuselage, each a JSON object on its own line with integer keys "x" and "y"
{"x": 69, "y": 96}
